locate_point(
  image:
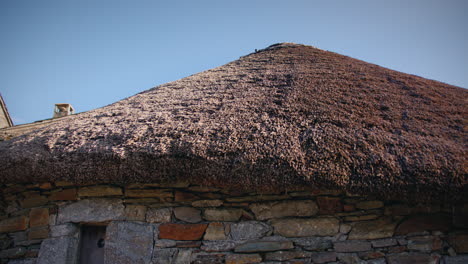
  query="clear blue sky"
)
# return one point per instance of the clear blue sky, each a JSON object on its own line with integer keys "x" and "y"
{"x": 91, "y": 53}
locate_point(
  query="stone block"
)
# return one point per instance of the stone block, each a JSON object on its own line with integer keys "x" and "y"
{"x": 11, "y": 253}
{"x": 67, "y": 229}
{"x": 164, "y": 243}
{"x": 180, "y": 196}
{"x": 412, "y": 258}
{"x": 92, "y": 210}
{"x": 351, "y": 258}
{"x": 162, "y": 215}
{"x": 99, "y": 190}
{"x": 228, "y": 214}
{"x": 424, "y": 243}
{"x": 135, "y": 212}
{"x": 58, "y": 250}
{"x": 14, "y": 224}
{"x": 299, "y": 227}
{"x": 352, "y": 246}
{"x": 381, "y": 228}
{"x": 249, "y": 230}
{"x": 323, "y": 257}
{"x": 286, "y": 255}
{"x": 314, "y": 243}
{"x": 462, "y": 259}
{"x": 388, "y": 242}
{"x": 263, "y": 246}
{"x": 207, "y": 203}
{"x": 421, "y": 223}
{"x": 188, "y": 244}
{"x": 128, "y": 242}
{"x": 243, "y": 258}
{"x": 282, "y": 209}
{"x": 38, "y": 217}
{"x": 377, "y": 261}
{"x": 38, "y": 233}
{"x": 187, "y": 214}
{"x": 329, "y": 205}
{"x": 215, "y": 231}
{"x": 371, "y": 255}
{"x": 459, "y": 241}
{"x": 367, "y": 205}
{"x": 164, "y": 255}
{"x": 203, "y": 258}
{"x": 218, "y": 246}
{"x": 22, "y": 261}
{"x": 34, "y": 202}
{"x": 182, "y": 231}
{"x": 64, "y": 195}
{"x": 355, "y": 218}
{"x": 162, "y": 194}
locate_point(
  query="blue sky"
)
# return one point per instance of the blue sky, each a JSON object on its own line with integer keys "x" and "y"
{"x": 91, "y": 53}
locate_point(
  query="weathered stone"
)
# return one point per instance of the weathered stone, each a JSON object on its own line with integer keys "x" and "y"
{"x": 249, "y": 230}
{"x": 323, "y": 257}
{"x": 164, "y": 243}
{"x": 34, "y": 201}
{"x": 228, "y": 214}
{"x": 352, "y": 246}
{"x": 281, "y": 209}
{"x": 404, "y": 209}
{"x": 424, "y": 243}
{"x": 187, "y": 214}
{"x": 22, "y": 261}
{"x": 182, "y": 231}
{"x": 185, "y": 196}
{"x": 13, "y": 252}
{"x": 39, "y": 233}
{"x": 306, "y": 227}
{"x": 253, "y": 198}
{"x": 329, "y": 205}
{"x": 263, "y": 246}
{"x": 63, "y": 183}
{"x": 92, "y": 210}
{"x": 188, "y": 244}
{"x": 100, "y": 190}
{"x": 58, "y": 250}
{"x": 135, "y": 212}
{"x": 215, "y": 231}
{"x": 164, "y": 255}
{"x": 207, "y": 203}
{"x": 462, "y": 259}
{"x": 203, "y": 189}
{"x": 203, "y": 258}
{"x": 412, "y": 258}
{"x": 351, "y": 258}
{"x": 355, "y": 218}
{"x": 371, "y": 255}
{"x": 286, "y": 255}
{"x": 17, "y": 237}
{"x": 157, "y": 193}
{"x": 67, "y": 229}
{"x": 64, "y": 195}
{"x": 314, "y": 243}
{"x": 154, "y": 215}
{"x": 418, "y": 224}
{"x": 397, "y": 249}
{"x": 38, "y": 217}
{"x": 345, "y": 228}
{"x": 128, "y": 242}
{"x": 377, "y": 261}
{"x": 349, "y": 207}
{"x": 367, "y": 205}
{"x": 218, "y": 246}
{"x": 384, "y": 242}
{"x": 14, "y": 224}
{"x": 459, "y": 241}
{"x": 376, "y": 229}
{"x": 243, "y": 258}
{"x": 45, "y": 186}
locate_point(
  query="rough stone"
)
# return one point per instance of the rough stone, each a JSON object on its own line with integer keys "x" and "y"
{"x": 306, "y": 227}
{"x": 39, "y": 233}
{"x": 13, "y": 252}
{"x": 329, "y": 205}
{"x": 156, "y": 193}
{"x": 381, "y": 228}
{"x": 351, "y": 258}
{"x": 92, "y": 210}
{"x": 253, "y": 198}
{"x": 371, "y": 255}
{"x": 352, "y": 246}
{"x": 459, "y": 241}
{"x": 412, "y": 258}
{"x": 14, "y": 224}
{"x": 424, "y": 243}
{"x": 203, "y": 189}
{"x": 34, "y": 201}
{"x": 249, "y": 230}
{"x": 314, "y": 243}
{"x": 218, "y": 246}
{"x": 128, "y": 242}
{"x": 38, "y": 217}
{"x": 162, "y": 215}
{"x": 243, "y": 258}
{"x": 418, "y": 224}
{"x": 58, "y": 250}
{"x": 345, "y": 228}
{"x": 135, "y": 212}
{"x": 286, "y": 255}
{"x": 164, "y": 243}
{"x": 367, "y": 205}
{"x": 67, "y": 229}
{"x": 182, "y": 231}
{"x": 188, "y": 244}
{"x": 187, "y": 214}
{"x": 281, "y": 209}
{"x": 99, "y": 190}
{"x": 215, "y": 231}
{"x": 384, "y": 242}
{"x": 185, "y": 197}
{"x": 462, "y": 259}
{"x": 64, "y": 195}
{"x": 377, "y": 261}
{"x": 263, "y": 246}
{"x": 229, "y": 214}
{"x": 323, "y": 257}
{"x": 355, "y": 218}
{"x": 23, "y": 261}
{"x": 203, "y": 258}
{"x": 164, "y": 255}
{"x": 183, "y": 256}
{"x": 207, "y": 203}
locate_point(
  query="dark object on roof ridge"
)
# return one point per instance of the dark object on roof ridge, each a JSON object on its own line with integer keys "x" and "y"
{"x": 289, "y": 115}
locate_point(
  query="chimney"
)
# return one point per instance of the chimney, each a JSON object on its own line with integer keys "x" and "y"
{"x": 62, "y": 110}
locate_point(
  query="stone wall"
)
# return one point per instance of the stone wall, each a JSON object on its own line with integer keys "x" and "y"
{"x": 151, "y": 223}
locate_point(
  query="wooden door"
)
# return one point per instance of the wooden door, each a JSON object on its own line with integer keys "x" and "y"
{"x": 92, "y": 244}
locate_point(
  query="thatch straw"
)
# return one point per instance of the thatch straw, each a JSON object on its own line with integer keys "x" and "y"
{"x": 285, "y": 116}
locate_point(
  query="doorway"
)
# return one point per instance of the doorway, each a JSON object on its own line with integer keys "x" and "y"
{"x": 92, "y": 244}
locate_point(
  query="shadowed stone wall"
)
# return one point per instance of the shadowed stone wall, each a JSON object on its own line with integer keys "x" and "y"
{"x": 152, "y": 223}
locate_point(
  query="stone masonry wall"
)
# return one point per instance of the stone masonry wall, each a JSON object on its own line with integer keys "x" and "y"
{"x": 151, "y": 223}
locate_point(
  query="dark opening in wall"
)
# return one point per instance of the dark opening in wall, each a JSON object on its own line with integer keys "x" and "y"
{"x": 92, "y": 244}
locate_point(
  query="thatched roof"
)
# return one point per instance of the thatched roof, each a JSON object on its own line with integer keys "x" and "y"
{"x": 288, "y": 115}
